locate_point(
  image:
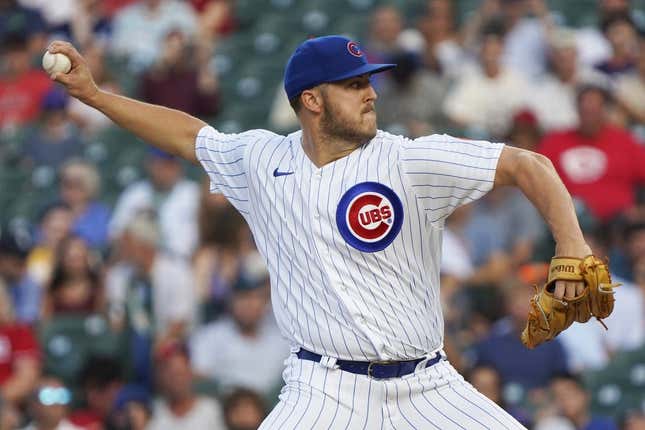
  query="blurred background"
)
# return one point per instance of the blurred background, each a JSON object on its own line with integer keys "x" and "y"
{"x": 130, "y": 298}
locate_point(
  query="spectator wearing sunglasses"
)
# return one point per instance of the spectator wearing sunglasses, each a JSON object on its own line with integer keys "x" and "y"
{"x": 49, "y": 406}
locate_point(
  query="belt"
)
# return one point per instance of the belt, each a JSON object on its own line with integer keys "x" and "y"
{"x": 374, "y": 369}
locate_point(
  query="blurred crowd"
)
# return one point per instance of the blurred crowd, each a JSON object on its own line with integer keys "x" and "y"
{"x": 171, "y": 271}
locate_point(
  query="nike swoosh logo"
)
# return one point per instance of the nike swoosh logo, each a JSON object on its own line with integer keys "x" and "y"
{"x": 276, "y": 173}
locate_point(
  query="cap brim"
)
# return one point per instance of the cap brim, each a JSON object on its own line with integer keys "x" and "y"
{"x": 367, "y": 68}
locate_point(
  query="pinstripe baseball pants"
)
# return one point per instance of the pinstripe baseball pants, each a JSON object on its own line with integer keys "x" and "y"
{"x": 318, "y": 397}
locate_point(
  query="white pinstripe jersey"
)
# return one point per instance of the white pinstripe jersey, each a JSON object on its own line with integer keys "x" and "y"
{"x": 353, "y": 248}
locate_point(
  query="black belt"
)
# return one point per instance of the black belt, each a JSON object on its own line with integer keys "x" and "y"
{"x": 374, "y": 369}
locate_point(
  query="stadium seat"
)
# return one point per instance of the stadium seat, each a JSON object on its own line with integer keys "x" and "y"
{"x": 620, "y": 385}
{"x": 69, "y": 340}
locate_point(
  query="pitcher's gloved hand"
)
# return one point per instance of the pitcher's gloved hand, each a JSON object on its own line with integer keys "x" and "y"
{"x": 550, "y": 315}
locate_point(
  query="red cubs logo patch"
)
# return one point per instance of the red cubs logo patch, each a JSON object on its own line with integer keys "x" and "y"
{"x": 369, "y": 216}
{"x": 354, "y": 49}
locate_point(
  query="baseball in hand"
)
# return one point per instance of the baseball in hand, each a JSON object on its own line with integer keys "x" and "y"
{"x": 56, "y": 63}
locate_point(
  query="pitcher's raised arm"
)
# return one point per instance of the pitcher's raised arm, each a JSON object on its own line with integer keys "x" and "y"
{"x": 168, "y": 129}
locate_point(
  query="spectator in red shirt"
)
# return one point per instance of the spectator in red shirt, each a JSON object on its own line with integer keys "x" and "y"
{"x": 21, "y": 87}
{"x": 598, "y": 162}
{"x": 175, "y": 81}
{"x": 19, "y": 355}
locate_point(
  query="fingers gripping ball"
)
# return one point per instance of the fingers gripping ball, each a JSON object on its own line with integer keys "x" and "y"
{"x": 56, "y": 63}
{"x": 548, "y": 315}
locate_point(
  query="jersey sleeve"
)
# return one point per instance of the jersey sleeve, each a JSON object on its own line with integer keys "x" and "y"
{"x": 223, "y": 157}
{"x": 447, "y": 172}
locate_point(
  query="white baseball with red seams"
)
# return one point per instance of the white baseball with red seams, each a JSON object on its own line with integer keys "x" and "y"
{"x": 56, "y": 63}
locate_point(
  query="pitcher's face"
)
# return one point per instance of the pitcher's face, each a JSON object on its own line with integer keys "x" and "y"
{"x": 349, "y": 111}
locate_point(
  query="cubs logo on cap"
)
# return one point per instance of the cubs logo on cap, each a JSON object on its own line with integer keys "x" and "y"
{"x": 369, "y": 216}
{"x": 354, "y": 49}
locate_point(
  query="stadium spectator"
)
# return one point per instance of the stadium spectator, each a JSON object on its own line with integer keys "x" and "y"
{"x": 24, "y": 290}
{"x": 113, "y": 6}
{"x": 554, "y": 97}
{"x": 484, "y": 99}
{"x": 20, "y": 360}
{"x": 635, "y": 420}
{"x": 627, "y": 324}
{"x": 56, "y": 138}
{"x": 150, "y": 294}
{"x": 9, "y": 417}
{"x": 598, "y": 162}
{"x": 179, "y": 406}
{"x": 79, "y": 189}
{"x": 55, "y": 225}
{"x": 630, "y": 90}
{"x": 633, "y": 248}
{"x": 16, "y": 19}
{"x": 177, "y": 81}
{"x": 216, "y": 17}
{"x": 504, "y": 227}
{"x": 590, "y": 346}
{"x": 132, "y": 409}
{"x": 621, "y": 32}
{"x": 169, "y": 196}
{"x": 244, "y": 410}
{"x": 76, "y": 286}
{"x": 443, "y": 53}
{"x": 226, "y": 350}
{"x": 487, "y": 380}
{"x": 55, "y": 14}
{"x": 526, "y": 24}
{"x": 525, "y": 369}
{"x": 84, "y": 25}
{"x": 456, "y": 258}
{"x": 410, "y": 98}
{"x": 225, "y": 242}
{"x": 101, "y": 381}
{"x": 525, "y": 131}
{"x": 572, "y": 402}
{"x": 89, "y": 120}
{"x": 139, "y": 29}
{"x": 49, "y": 406}
{"x": 386, "y": 25}
{"x": 22, "y": 88}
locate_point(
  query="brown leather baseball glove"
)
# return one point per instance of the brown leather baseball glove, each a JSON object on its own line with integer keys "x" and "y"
{"x": 548, "y": 315}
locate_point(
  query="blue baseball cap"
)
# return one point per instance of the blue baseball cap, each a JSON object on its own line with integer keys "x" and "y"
{"x": 326, "y": 59}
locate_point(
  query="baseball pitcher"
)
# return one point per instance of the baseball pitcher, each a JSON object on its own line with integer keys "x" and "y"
{"x": 349, "y": 220}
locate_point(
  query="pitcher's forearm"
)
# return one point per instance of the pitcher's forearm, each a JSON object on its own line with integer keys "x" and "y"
{"x": 168, "y": 129}
{"x": 543, "y": 187}
{"x": 537, "y": 178}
